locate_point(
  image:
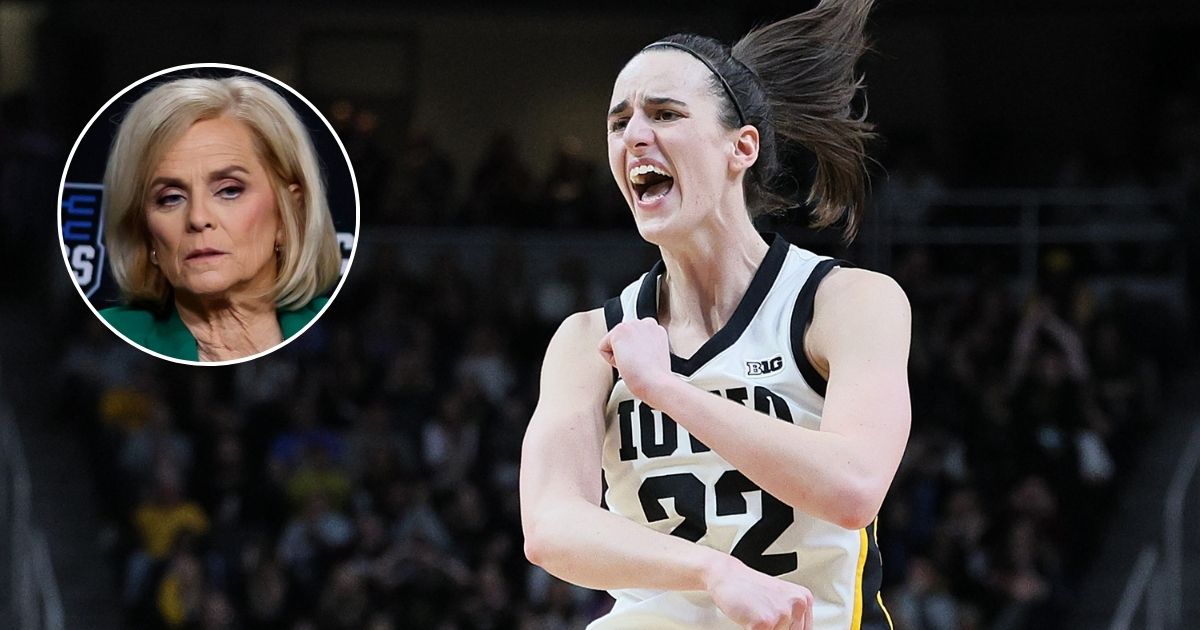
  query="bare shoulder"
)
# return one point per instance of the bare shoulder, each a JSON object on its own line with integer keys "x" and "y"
{"x": 858, "y": 307}
{"x": 573, "y": 364}
{"x": 847, "y": 290}
{"x": 852, "y": 287}
{"x": 585, "y": 328}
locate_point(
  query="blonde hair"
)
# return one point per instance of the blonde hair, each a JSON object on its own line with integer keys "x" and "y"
{"x": 309, "y": 259}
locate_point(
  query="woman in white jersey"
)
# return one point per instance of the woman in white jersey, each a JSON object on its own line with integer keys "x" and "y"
{"x": 714, "y": 444}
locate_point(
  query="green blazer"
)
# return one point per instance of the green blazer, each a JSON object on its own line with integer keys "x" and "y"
{"x": 168, "y": 335}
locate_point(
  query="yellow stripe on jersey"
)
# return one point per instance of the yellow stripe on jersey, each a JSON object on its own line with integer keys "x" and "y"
{"x": 886, "y": 614}
{"x": 879, "y": 594}
{"x": 856, "y": 620}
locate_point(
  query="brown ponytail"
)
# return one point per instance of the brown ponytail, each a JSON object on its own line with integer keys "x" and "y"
{"x": 795, "y": 81}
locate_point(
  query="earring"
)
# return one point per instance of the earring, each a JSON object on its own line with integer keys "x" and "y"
{"x": 277, "y": 248}
{"x": 154, "y": 258}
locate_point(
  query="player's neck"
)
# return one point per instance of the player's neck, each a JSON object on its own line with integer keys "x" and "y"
{"x": 704, "y": 283}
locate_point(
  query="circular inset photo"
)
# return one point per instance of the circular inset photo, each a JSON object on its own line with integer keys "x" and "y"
{"x": 208, "y": 214}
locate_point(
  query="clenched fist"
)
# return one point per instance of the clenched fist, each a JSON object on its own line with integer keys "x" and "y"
{"x": 757, "y": 601}
{"x": 639, "y": 351}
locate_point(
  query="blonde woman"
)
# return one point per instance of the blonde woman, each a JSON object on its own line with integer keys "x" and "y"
{"x": 218, "y": 230}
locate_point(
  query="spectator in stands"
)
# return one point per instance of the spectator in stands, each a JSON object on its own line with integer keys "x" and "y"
{"x": 373, "y": 164}
{"x": 568, "y": 196}
{"x": 162, "y": 519}
{"x": 924, "y": 603}
{"x": 502, "y": 188}
{"x": 181, "y": 592}
{"x": 424, "y": 186}
{"x": 343, "y": 603}
{"x": 156, "y": 443}
{"x": 317, "y": 475}
{"x": 266, "y": 596}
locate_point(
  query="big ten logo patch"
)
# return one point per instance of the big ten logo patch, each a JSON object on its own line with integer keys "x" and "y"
{"x": 83, "y": 234}
{"x": 764, "y": 367}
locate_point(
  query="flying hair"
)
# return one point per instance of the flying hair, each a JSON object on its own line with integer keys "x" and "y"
{"x": 807, "y": 65}
{"x": 795, "y": 81}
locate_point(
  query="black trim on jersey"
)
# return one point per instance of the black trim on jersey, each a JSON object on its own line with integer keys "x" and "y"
{"x": 603, "y": 489}
{"x": 802, "y": 314}
{"x": 760, "y": 284}
{"x": 873, "y": 615}
{"x": 613, "y": 314}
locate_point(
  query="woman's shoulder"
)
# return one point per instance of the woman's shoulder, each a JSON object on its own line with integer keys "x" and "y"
{"x": 856, "y": 287}
{"x": 584, "y": 326}
{"x": 573, "y": 352}
{"x": 161, "y": 332}
{"x": 858, "y": 306}
{"x": 128, "y": 319}
{"x": 292, "y": 322}
{"x": 314, "y": 305}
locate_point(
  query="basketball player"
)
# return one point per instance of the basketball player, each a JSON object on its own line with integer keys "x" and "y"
{"x": 746, "y": 400}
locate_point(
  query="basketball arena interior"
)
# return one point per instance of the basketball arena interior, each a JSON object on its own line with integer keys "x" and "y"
{"x": 1035, "y": 191}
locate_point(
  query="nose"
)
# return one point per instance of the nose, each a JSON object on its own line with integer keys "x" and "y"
{"x": 200, "y": 217}
{"x": 638, "y": 132}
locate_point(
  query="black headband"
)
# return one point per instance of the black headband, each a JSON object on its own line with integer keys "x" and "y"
{"x": 711, "y": 68}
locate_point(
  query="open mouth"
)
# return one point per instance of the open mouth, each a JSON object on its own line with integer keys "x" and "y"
{"x": 650, "y": 183}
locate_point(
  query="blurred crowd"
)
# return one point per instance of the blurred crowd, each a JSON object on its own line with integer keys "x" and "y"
{"x": 366, "y": 475}
{"x": 1027, "y": 410}
{"x": 417, "y": 184}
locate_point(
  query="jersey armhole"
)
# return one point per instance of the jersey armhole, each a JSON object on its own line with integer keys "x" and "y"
{"x": 613, "y": 314}
{"x": 802, "y": 314}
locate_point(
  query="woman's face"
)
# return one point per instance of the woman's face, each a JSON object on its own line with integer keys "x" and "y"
{"x": 212, "y": 213}
{"x": 668, "y": 151}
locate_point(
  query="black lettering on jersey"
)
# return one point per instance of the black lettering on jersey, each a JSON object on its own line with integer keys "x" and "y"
{"x": 670, "y": 437}
{"x": 772, "y": 404}
{"x": 627, "y": 452}
{"x": 650, "y": 420}
{"x": 765, "y": 367}
{"x": 688, "y": 493}
{"x": 776, "y": 518}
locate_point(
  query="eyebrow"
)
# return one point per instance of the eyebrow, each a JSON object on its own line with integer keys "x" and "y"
{"x": 664, "y": 100}
{"x": 175, "y": 182}
{"x": 649, "y": 100}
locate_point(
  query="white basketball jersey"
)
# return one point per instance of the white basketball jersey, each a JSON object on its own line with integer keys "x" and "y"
{"x": 658, "y": 475}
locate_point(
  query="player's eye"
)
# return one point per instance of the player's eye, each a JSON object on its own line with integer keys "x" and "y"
{"x": 667, "y": 115}
{"x": 617, "y": 124}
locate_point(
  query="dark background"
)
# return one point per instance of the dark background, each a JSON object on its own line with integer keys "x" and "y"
{"x": 1036, "y": 196}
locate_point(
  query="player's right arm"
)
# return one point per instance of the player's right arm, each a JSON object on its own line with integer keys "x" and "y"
{"x": 571, "y": 536}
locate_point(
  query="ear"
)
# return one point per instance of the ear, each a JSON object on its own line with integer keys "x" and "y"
{"x": 297, "y": 200}
{"x": 745, "y": 149}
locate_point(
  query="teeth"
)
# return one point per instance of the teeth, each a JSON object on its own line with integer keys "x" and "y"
{"x": 637, "y": 173}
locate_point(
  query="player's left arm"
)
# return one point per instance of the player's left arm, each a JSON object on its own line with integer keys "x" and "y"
{"x": 859, "y": 338}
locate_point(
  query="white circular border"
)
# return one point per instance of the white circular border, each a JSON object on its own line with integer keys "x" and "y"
{"x": 353, "y": 181}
